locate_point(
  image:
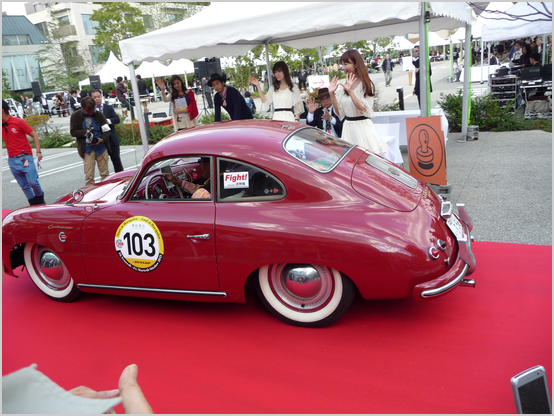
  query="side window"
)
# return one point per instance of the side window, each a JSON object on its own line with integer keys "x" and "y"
{"x": 176, "y": 179}
{"x": 241, "y": 181}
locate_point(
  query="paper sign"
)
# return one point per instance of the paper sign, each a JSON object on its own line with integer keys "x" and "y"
{"x": 318, "y": 81}
{"x": 426, "y": 149}
{"x": 235, "y": 180}
{"x": 181, "y": 103}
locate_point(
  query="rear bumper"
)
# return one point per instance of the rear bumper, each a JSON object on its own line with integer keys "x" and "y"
{"x": 463, "y": 266}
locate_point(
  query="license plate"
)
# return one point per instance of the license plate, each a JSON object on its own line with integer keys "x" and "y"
{"x": 455, "y": 226}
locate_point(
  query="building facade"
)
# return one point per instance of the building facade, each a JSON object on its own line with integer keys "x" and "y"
{"x": 21, "y": 42}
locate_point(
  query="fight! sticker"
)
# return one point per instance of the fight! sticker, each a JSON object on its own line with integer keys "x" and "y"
{"x": 235, "y": 180}
{"x": 139, "y": 244}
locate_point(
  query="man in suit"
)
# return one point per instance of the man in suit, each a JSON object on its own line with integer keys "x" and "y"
{"x": 324, "y": 117}
{"x": 418, "y": 74}
{"x": 113, "y": 118}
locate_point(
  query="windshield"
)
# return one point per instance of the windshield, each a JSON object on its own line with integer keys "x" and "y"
{"x": 317, "y": 149}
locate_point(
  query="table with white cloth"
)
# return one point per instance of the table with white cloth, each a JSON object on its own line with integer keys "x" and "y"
{"x": 392, "y": 117}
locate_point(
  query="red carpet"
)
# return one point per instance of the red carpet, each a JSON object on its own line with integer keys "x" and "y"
{"x": 452, "y": 355}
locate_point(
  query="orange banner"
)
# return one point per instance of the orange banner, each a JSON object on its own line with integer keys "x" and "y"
{"x": 426, "y": 149}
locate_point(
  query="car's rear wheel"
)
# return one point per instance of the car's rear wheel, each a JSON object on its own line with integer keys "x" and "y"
{"x": 304, "y": 294}
{"x": 50, "y": 274}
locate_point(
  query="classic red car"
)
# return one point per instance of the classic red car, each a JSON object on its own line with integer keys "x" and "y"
{"x": 306, "y": 218}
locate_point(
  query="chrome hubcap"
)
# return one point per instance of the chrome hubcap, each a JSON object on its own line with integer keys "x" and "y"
{"x": 301, "y": 286}
{"x": 51, "y": 269}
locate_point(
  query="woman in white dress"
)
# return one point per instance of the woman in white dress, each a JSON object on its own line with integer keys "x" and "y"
{"x": 283, "y": 94}
{"x": 353, "y": 101}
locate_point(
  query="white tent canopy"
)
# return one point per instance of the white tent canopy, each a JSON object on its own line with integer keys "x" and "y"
{"x": 401, "y": 43}
{"x": 152, "y": 69}
{"x": 110, "y": 71}
{"x": 530, "y": 19}
{"x": 181, "y": 66}
{"x": 232, "y": 29}
{"x": 436, "y": 40}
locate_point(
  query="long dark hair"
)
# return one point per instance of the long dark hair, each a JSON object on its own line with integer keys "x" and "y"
{"x": 353, "y": 57}
{"x": 174, "y": 92}
{"x": 281, "y": 66}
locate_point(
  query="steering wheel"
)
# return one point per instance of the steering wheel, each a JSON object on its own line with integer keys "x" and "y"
{"x": 147, "y": 188}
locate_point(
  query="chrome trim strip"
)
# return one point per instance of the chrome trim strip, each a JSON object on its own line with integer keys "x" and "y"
{"x": 440, "y": 290}
{"x": 154, "y": 290}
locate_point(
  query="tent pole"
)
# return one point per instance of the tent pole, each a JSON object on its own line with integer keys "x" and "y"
{"x": 138, "y": 108}
{"x": 154, "y": 87}
{"x": 268, "y": 76}
{"x": 544, "y": 49}
{"x": 425, "y": 94}
{"x": 451, "y": 60}
{"x": 482, "y": 55}
{"x": 466, "y": 106}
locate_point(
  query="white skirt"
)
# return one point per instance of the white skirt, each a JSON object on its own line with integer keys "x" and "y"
{"x": 363, "y": 134}
{"x": 284, "y": 116}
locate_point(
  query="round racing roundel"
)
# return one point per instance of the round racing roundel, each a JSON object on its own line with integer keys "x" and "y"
{"x": 139, "y": 244}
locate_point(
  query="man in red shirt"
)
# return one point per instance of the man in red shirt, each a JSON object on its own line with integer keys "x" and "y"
{"x": 20, "y": 153}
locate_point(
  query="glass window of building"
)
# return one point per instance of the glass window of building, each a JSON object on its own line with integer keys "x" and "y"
{"x": 64, "y": 20}
{"x": 89, "y": 24}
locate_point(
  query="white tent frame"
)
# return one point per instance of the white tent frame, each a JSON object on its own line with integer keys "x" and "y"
{"x": 219, "y": 30}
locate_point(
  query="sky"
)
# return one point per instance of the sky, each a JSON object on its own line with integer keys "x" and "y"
{"x": 14, "y": 8}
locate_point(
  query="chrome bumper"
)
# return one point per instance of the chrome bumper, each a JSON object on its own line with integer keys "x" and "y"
{"x": 464, "y": 265}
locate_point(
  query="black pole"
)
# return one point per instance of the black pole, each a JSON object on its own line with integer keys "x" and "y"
{"x": 400, "y": 92}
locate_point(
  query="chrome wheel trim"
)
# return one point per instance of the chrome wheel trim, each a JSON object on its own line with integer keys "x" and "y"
{"x": 326, "y": 307}
{"x": 303, "y": 287}
{"x": 48, "y": 271}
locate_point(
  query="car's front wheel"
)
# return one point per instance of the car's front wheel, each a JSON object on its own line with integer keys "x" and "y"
{"x": 304, "y": 294}
{"x": 50, "y": 274}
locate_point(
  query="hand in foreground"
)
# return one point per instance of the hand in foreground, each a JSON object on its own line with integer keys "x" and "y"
{"x": 254, "y": 81}
{"x": 326, "y": 114}
{"x": 312, "y": 106}
{"x": 333, "y": 85}
{"x": 350, "y": 80}
{"x": 133, "y": 398}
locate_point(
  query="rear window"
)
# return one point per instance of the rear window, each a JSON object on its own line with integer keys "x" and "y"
{"x": 317, "y": 149}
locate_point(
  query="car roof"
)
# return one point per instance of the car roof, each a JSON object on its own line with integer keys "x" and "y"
{"x": 248, "y": 140}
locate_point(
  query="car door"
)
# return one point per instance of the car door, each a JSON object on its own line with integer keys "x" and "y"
{"x": 152, "y": 243}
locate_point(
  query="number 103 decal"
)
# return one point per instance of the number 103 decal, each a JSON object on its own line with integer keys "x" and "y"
{"x": 139, "y": 244}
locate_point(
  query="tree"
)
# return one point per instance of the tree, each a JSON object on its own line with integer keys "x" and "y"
{"x": 5, "y": 86}
{"x": 116, "y": 21}
{"x": 157, "y": 15}
{"x": 61, "y": 61}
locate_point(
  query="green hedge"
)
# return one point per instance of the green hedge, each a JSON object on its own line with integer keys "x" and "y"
{"x": 488, "y": 114}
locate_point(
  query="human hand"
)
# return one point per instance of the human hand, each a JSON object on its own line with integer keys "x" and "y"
{"x": 326, "y": 114}
{"x": 171, "y": 178}
{"x": 254, "y": 81}
{"x": 350, "y": 80}
{"x": 88, "y": 393}
{"x": 39, "y": 156}
{"x": 133, "y": 398}
{"x": 333, "y": 85}
{"x": 312, "y": 106}
{"x": 160, "y": 83}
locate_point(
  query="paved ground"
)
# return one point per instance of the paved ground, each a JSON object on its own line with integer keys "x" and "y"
{"x": 505, "y": 179}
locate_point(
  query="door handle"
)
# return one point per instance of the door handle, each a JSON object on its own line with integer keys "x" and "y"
{"x": 199, "y": 237}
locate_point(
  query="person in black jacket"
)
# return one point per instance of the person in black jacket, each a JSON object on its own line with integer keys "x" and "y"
{"x": 112, "y": 118}
{"x": 142, "y": 91}
{"x": 229, "y": 98}
{"x": 324, "y": 118}
{"x": 417, "y": 92}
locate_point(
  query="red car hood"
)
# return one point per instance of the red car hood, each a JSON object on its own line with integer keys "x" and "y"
{"x": 107, "y": 190}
